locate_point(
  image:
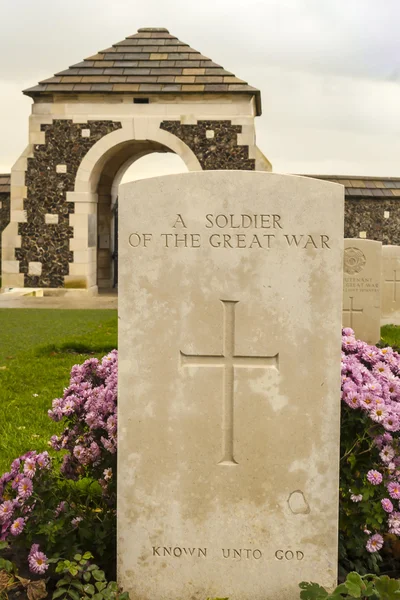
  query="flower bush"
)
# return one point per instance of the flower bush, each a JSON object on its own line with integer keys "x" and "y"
{"x": 89, "y": 409}
{"x": 54, "y": 508}
{"x": 370, "y": 452}
{"x": 48, "y": 509}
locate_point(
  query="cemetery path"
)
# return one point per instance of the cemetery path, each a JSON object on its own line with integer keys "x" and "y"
{"x": 102, "y": 301}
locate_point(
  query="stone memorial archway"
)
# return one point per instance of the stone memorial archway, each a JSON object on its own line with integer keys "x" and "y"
{"x": 149, "y": 93}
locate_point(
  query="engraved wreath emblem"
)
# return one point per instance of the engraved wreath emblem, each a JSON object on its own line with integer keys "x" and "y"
{"x": 354, "y": 261}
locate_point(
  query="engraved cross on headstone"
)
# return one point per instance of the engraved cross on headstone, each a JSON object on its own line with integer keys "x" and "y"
{"x": 228, "y": 361}
{"x": 395, "y": 281}
{"x": 352, "y": 311}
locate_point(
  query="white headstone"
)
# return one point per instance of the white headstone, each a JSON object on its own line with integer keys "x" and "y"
{"x": 230, "y": 287}
{"x": 391, "y": 284}
{"x": 362, "y": 264}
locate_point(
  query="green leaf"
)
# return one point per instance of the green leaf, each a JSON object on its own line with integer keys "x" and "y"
{"x": 125, "y": 596}
{"x": 99, "y": 575}
{"x": 73, "y": 570}
{"x": 97, "y": 596}
{"x": 387, "y": 588}
{"x": 93, "y": 568}
{"x": 100, "y": 585}
{"x": 6, "y": 565}
{"x": 354, "y": 585}
{"x": 369, "y": 590}
{"x": 339, "y": 591}
{"x": 86, "y": 576}
{"x": 113, "y": 586}
{"x": 88, "y": 555}
{"x": 3, "y": 545}
{"x": 59, "y": 593}
{"x": 77, "y": 584}
{"x": 83, "y": 562}
{"x": 74, "y": 594}
{"x": 63, "y": 581}
{"x": 89, "y": 589}
{"x": 77, "y": 557}
{"x": 310, "y": 591}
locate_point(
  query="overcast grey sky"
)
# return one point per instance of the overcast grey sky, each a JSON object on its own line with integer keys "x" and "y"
{"x": 328, "y": 70}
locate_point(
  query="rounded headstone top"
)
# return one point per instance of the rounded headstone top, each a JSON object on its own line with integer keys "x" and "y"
{"x": 153, "y": 30}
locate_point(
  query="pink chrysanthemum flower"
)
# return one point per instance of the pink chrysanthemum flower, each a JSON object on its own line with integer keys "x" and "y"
{"x": 30, "y": 468}
{"x": 6, "y": 510}
{"x": 107, "y": 474}
{"x": 356, "y": 497}
{"x": 75, "y": 522}
{"x": 394, "y": 523}
{"x": 378, "y": 413}
{"x": 37, "y": 561}
{"x": 387, "y": 505}
{"x": 374, "y": 477}
{"x": 25, "y": 488}
{"x": 391, "y": 423}
{"x": 374, "y": 543}
{"x": 43, "y": 460}
{"x": 386, "y": 454}
{"x": 17, "y": 526}
{"x": 394, "y": 490}
{"x": 62, "y": 507}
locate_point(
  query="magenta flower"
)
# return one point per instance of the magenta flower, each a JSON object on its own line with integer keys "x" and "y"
{"x": 394, "y": 523}
{"x": 386, "y": 454}
{"x": 30, "y": 468}
{"x": 394, "y": 490}
{"x": 17, "y": 526}
{"x": 374, "y": 477}
{"x": 6, "y": 511}
{"x": 378, "y": 414}
{"x": 25, "y": 488}
{"x": 387, "y": 505}
{"x": 374, "y": 543}
{"x": 37, "y": 561}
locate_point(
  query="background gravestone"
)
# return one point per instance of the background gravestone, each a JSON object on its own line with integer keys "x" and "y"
{"x": 362, "y": 265}
{"x": 229, "y": 385}
{"x": 391, "y": 284}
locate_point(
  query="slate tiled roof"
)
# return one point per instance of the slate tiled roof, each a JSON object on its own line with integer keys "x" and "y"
{"x": 152, "y": 60}
{"x": 365, "y": 187}
{"x": 5, "y": 182}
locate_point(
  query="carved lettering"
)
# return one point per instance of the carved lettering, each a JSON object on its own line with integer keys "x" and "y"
{"x": 243, "y": 221}
{"x": 240, "y": 239}
{"x": 239, "y": 554}
{"x": 136, "y": 240}
{"x": 178, "y": 552}
{"x": 179, "y": 221}
{"x": 289, "y": 555}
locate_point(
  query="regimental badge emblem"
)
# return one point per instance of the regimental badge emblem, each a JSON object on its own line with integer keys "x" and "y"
{"x": 354, "y": 261}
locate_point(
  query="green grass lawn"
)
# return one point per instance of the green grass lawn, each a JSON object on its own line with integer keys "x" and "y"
{"x": 37, "y": 350}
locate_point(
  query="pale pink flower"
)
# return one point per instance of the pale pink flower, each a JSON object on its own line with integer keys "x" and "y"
{"x": 386, "y": 454}
{"x": 374, "y": 543}
{"x": 394, "y": 490}
{"x": 356, "y": 497}
{"x": 374, "y": 477}
{"x": 387, "y": 505}
{"x": 17, "y": 526}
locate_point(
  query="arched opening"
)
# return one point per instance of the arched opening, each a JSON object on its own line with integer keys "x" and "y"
{"x": 131, "y": 161}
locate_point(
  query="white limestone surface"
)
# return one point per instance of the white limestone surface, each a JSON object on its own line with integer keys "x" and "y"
{"x": 230, "y": 287}
{"x": 362, "y": 265}
{"x": 391, "y": 284}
